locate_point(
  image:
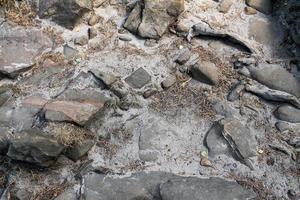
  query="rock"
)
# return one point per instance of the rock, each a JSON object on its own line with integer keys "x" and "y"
{"x": 205, "y": 72}
{"x": 92, "y": 32}
{"x": 152, "y": 19}
{"x": 204, "y": 29}
{"x": 76, "y": 151}
{"x": 150, "y": 92}
{"x": 276, "y": 77}
{"x": 125, "y": 38}
{"x": 4, "y": 97}
{"x": 81, "y": 40}
{"x": 64, "y": 13}
{"x": 138, "y": 79}
{"x": 229, "y": 136}
{"x": 72, "y": 111}
{"x": 183, "y": 56}
{"x": 223, "y": 108}
{"x": 108, "y": 79}
{"x": 94, "y": 19}
{"x": 288, "y": 113}
{"x": 264, "y": 6}
{"x": 134, "y": 19}
{"x": 273, "y": 95}
{"x": 282, "y": 126}
{"x": 5, "y": 85}
{"x": 295, "y": 142}
{"x": 5, "y": 137}
{"x": 262, "y": 31}
{"x": 236, "y": 91}
{"x": 193, "y": 188}
{"x": 225, "y": 6}
{"x": 168, "y": 82}
{"x": 33, "y": 147}
{"x": 70, "y": 52}
{"x": 21, "y": 47}
{"x": 161, "y": 185}
{"x": 250, "y": 10}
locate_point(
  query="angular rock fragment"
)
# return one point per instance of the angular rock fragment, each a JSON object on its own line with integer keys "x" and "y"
{"x": 205, "y": 72}
{"x": 139, "y": 78}
{"x": 151, "y": 19}
{"x": 21, "y": 47}
{"x": 236, "y": 91}
{"x": 106, "y": 78}
{"x": 288, "y": 113}
{"x": 33, "y": 147}
{"x": 276, "y": 77}
{"x": 64, "y": 13}
{"x": 71, "y": 111}
{"x": 264, "y": 6}
{"x": 78, "y": 150}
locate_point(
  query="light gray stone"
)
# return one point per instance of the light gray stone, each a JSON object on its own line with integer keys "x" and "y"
{"x": 205, "y": 72}
{"x": 288, "y": 113}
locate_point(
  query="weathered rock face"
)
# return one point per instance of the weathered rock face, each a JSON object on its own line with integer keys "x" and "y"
{"x": 21, "y": 47}
{"x": 161, "y": 185}
{"x": 64, "y": 12}
{"x": 150, "y": 19}
{"x": 276, "y": 77}
{"x": 31, "y": 146}
{"x": 264, "y": 6}
{"x": 288, "y": 113}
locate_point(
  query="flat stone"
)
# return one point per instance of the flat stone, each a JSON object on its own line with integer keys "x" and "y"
{"x": 33, "y": 147}
{"x": 288, "y": 113}
{"x": 107, "y": 78}
{"x": 21, "y": 47}
{"x": 138, "y": 79}
{"x": 71, "y": 111}
{"x": 205, "y": 72}
{"x": 276, "y": 77}
{"x": 64, "y": 13}
{"x": 264, "y": 6}
{"x": 193, "y": 188}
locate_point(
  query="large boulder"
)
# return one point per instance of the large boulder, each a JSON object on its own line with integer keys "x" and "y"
{"x": 34, "y": 147}
{"x": 151, "y": 18}
{"x": 276, "y": 77}
{"x": 19, "y": 48}
{"x": 161, "y": 185}
{"x": 64, "y": 12}
{"x": 288, "y": 113}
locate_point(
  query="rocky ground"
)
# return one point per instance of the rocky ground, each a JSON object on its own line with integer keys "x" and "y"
{"x": 149, "y": 99}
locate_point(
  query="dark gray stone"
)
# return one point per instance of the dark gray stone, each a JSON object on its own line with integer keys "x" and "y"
{"x": 107, "y": 78}
{"x": 34, "y": 147}
{"x": 236, "y": 91}
{"x": 5, "y": 137}
{"x": 64, "y": 12}
{"x": 193, "y": 188}
{"x": 138, "y": 79}
{"x": 288, "y": 113}
{"x": 76, "y": 151}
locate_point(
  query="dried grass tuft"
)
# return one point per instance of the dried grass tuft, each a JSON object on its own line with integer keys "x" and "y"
{"x": 21, "y": 13}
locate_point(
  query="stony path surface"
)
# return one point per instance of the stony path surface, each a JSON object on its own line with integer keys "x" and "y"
{"x": 148, "y": 99}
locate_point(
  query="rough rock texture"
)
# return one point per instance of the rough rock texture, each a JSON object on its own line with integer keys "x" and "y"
{"x": 150, "y": 19}
{"x": 65, "y": 13}
{"x": 21, "y": 47}
{"x": 264, "y": 6}
{"x": 161, "y": 185}
{"x": 276, "y": 77}
{"x": 206, "y": 72}
{"x": 31, "y": 146}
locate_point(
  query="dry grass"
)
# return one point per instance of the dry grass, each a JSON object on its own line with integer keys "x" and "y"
{"x": 109, "y": 148}
{"x": 55, "y": 57}
{"x": 51, "y": 192}
{"x": 54, "y": 35}
{"x": 69, "y": 134}
{"x": 20, "y": 13}
{"x": 181, "y": 97}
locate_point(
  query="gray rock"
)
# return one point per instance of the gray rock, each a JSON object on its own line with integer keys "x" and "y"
{"x": 183, "y": 56}
{"x": 138, "y": 79}
{"x": 193, "y": 188}
{"x": 5, "y": 85}
{"x": 70, "y": 52}
{"x": 272, "y": 95}
{"x": 159, "y": 185}
{"x": 107, "y": 78}
{"x": 223, "y": 108}
{"x": 282, "y": 126}
{"x": 69, "y": 194}
{"x": 264, "y": 6}
{"x": 276, "y": 77}
{"x": 288, "y": 113}
{"x": 262, "y": 31}
{"x": 64, "y": 13}
{"x": 76, "y": 151}
{"x": 205, "y": 72}
{"x": 33, "y": 147}
{"x": 21, "y": 47}
{"x": 168, "y": 82}
{"x": 125, "y": 38}
{"x": 5, "y": 137}
{"x": 149, "y": 92}
{"x": 4, "y": 97}
{"x": 152, "y": 19}
{"x": 236, "y": 91}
